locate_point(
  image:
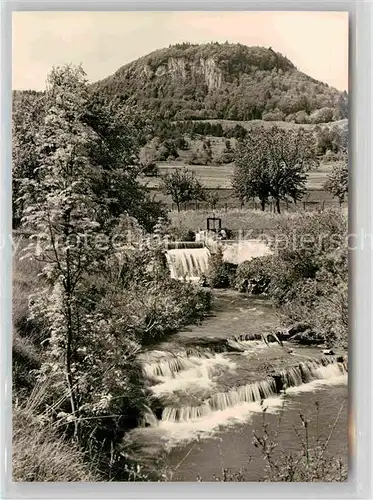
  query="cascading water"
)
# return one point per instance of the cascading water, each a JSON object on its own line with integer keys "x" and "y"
{"x": 218, "y": 378}
{"x": 248, "y": 393}
{"x": 189, "y": 371}
{"x": 188, "y": 263}
{"x": 311, "y": 370}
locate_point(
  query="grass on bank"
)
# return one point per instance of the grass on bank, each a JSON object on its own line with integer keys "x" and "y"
{"x": 39, "y": 453}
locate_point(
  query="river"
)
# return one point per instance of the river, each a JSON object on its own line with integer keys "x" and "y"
{"x": 209, "y": 395}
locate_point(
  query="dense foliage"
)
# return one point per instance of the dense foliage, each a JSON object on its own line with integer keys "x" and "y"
{"x": 105, "y": 289}
{"x": 254, "y": 276}
{"x": 183, "y": 186}
{"x": 220, "y": 274}
{"x": 117, "y": 133}
{"x": 224, "y": 81}
{"x": 272, "y": 163}
{"x": 337, "y": 183}
{"x": 308, "y": 273}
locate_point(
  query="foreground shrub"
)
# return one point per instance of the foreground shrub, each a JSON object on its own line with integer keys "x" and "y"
{"x": 40, "y": 454}
{"x": 309, "y": 273}
{"x": 253, "y": 276}
{"x": 312, "y": 463}
{"x": 220, "y": 274}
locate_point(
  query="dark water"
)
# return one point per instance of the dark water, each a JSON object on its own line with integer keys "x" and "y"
{"x": 233, "y": 314}
{"x": 232, "y": 448}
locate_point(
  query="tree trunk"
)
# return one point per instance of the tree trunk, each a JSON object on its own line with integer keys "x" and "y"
{"x": 69, "y": 375}
{"x": 278, "y": 206}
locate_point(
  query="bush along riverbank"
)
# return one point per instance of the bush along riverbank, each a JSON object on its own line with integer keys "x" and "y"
{"x": 306, "y": 277}
{"x": 85, "y": 304}
{"x": 114, "y": 318}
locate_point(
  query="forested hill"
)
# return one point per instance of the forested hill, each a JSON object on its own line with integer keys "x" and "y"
{"x": 225, "y": 81}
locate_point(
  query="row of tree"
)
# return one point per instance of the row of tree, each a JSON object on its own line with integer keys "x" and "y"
{"x": 270, "y": 165}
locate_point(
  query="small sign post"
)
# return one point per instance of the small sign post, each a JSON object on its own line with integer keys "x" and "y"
{"x": 213, "y": 224}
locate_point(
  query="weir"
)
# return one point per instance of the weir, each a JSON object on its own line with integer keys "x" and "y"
{"x": 203, "y": 369}
{"x": 188, "y": 263}
{"x": 189, "y": 259}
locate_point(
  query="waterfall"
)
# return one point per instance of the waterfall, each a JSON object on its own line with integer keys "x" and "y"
{"x": 168, "y": 364}
{"x": 248, "y": 393}
{"x": 311, "y": 370}
{"x": 294, "y": 376}
{"x": 168, "y": 367}
{"x": 189, "y": 263}
{"x": 186, "y": 372}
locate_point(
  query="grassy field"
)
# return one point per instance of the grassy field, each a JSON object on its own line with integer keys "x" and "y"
{"x": 215, "y": 177}
{"x": 251, "y": 223}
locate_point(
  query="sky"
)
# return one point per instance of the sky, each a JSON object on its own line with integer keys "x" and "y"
{"x": 316, "y": 42}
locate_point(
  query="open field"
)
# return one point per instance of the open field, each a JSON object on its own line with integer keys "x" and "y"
{"x": 251, "y": 223}
{"x": 249, "y": 125}
{"x": 215, "y": 177}
{"x": 227, "y": 200}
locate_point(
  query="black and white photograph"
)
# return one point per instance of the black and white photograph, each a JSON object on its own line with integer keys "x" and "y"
{"x": 180, "y": 246}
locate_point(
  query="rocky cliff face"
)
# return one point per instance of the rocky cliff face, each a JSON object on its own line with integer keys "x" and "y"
{"x": 181, "y": 68}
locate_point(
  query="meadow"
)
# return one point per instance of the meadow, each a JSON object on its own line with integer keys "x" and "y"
{"x": 216, "y": 179}
{"x": 219, "y": 176}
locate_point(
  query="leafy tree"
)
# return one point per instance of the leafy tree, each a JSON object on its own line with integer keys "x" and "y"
{"x": 212, "y": 197}
{"x": 120, "y": 132}
{"x": 337, "y": 183}
{"x": 27, "y": 117}
{"x": 330, "y": 139}
{"x": 251, "y": 177}
{"x": 228, "y": 153}
{"x": 88, "y": 359}
{"x": 206, "y": 156}
{"x": 322, "y": 115}
{"x": 273, "y": 163}
{"x": 66, "y": 210}
{"x": 182, "y": 186}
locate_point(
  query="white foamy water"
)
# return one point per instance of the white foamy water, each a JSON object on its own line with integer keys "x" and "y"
{"x": 234, "y": 406}
{"x": 247, "y": 346}
{"x": 331, "y": 375}
{"x": 172, "y": 434}
{"x": 188, "y": 263}
{"x": 245, "y": 250}
{"x": 197, "y": 373}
